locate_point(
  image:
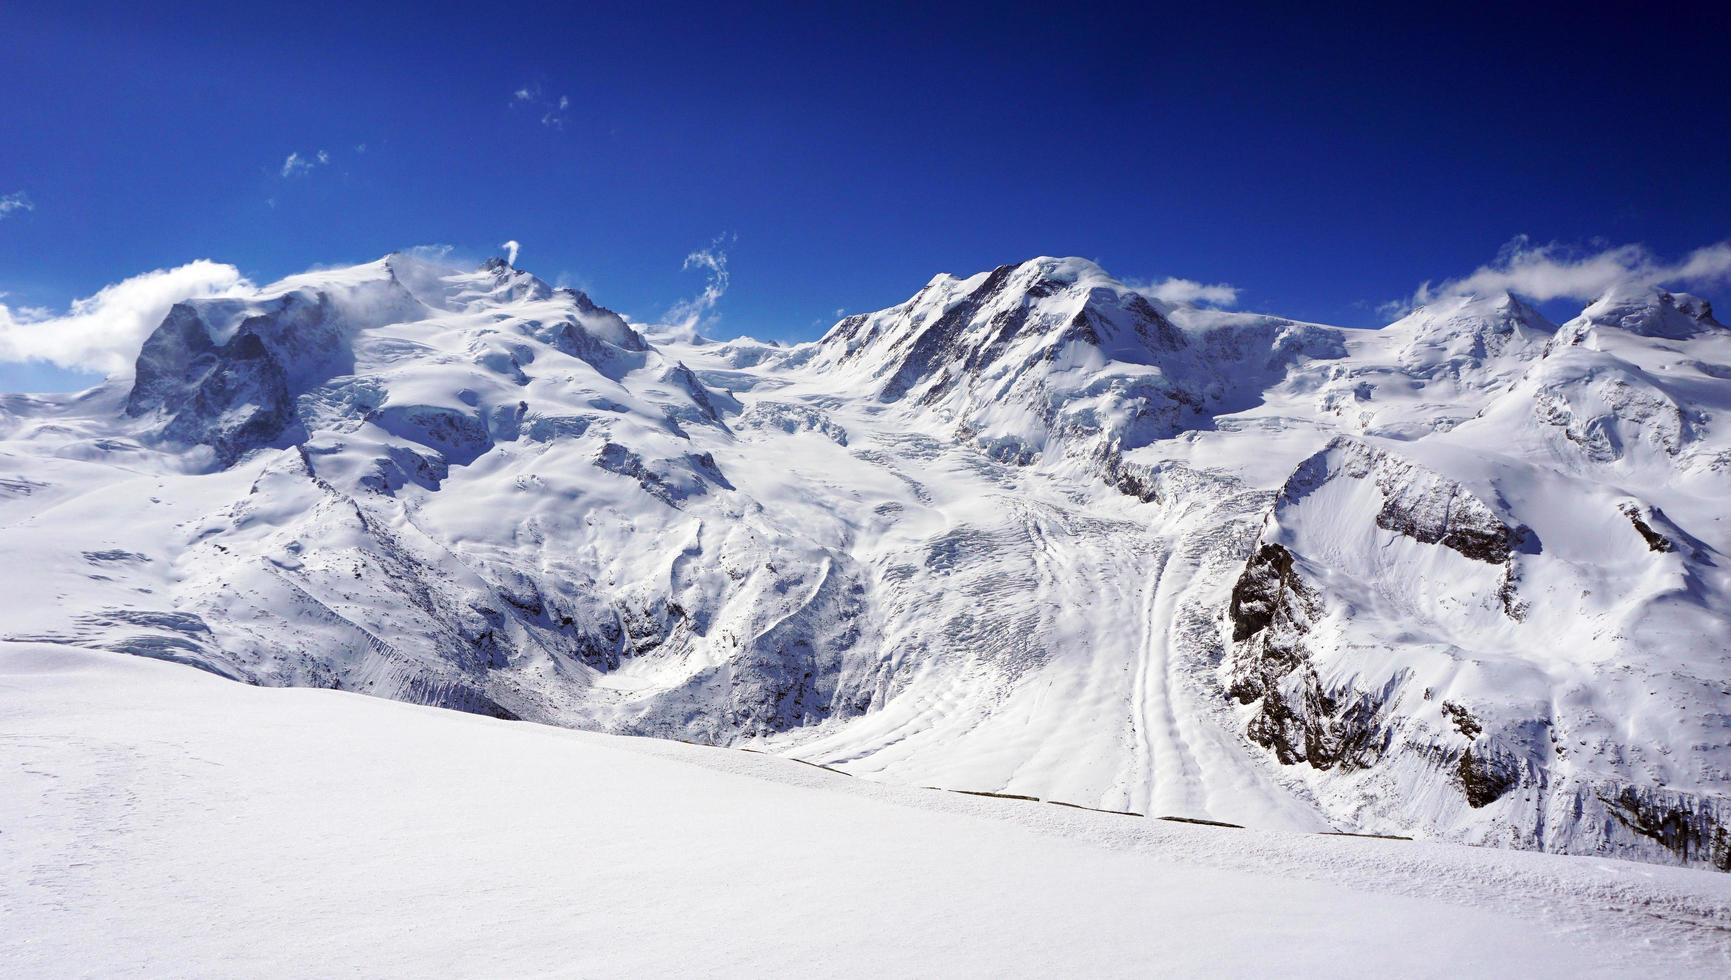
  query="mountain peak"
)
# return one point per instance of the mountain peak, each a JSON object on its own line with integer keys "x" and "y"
{"x": 1064, "y": 271}
{"x": 1012, "y": 316}
{"x": 1646, "y": 311}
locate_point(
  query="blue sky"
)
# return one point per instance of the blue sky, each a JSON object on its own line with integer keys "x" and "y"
{"x": 1322, "y": 164}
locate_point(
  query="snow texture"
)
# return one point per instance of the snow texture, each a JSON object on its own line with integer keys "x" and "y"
{"x": 161, "y": 821}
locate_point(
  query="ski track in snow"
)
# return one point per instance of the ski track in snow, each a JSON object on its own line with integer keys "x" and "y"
{"x": 1180, "y": 788}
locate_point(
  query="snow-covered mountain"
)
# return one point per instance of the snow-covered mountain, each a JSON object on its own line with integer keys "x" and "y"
{"x": 1029, "y": 532}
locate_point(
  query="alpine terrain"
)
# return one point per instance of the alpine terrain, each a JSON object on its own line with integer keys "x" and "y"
{"x": 1465, "y": 578}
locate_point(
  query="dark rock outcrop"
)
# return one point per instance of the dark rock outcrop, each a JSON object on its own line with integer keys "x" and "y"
{"x": 1655, "y": 541}
{"x": 232, "y": 397}
{"x": 1297, "y": 717}
{"x": 1690, "y": 827}
{"x": 1267, "y": 589}
{"x": 1485, "y": 777}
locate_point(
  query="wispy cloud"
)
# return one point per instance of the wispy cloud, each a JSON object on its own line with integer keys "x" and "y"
{"x": 17, "y": 201}
{"x": 297, "y": 165}
{"x": 1188, "y": 292}
{"x": 688, "y": 315}
{"x": 1394, "y": 309}
{"x": 1554, "y": 271}
{"x": 551, "y": 110}
{"x": 511, "y": 247}
{"x": 104, "y": 332}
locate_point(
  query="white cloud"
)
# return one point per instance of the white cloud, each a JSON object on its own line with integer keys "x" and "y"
{"x": 511, "y": 248}
{"x": 17, "y": 201}
{"x": 297, "y": 165}
{"x": 1547, "y": 272}
{"x": 104, "y": 332}
{"x": 686, "y": 316}
{"x": 552, "y": 110}
{"x": 1188, "y": 292}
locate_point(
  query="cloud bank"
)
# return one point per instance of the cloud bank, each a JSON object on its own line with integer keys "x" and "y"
{"x": 104, "y": 332}
{"x": 1188, "y": 292}
{"x": 1553, "y": 271}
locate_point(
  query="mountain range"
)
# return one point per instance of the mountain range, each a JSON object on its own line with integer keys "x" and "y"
{"x": 1030, "y": 532}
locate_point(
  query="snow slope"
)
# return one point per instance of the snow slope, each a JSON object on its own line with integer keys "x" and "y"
{"x": 158, "y": 820}
{"x": 1463, "y": 578}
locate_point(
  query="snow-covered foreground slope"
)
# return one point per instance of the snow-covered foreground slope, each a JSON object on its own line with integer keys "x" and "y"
{"x": 156, "y": 820}
{"x": 1464, "y": 578}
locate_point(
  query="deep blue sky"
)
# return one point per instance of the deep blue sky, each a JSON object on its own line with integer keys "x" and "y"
{"x": 1321, "y": 162}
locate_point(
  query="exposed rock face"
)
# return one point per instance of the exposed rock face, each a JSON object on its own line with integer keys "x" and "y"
{"x": 1296, "y": 717}
{"x": 227, "y": 373}
{"x": 1691, "y": 828}
{"x": 1273, "y": 613}
{"x": 1268, "y": 590}
{"x": 1485, "y": 779}
{"x": 1416, "y": 503}
{"x": 232, "y": 398}
{"x": 1656, "y": 541}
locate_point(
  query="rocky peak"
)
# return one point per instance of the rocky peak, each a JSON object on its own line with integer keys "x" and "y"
{"x": 1002, "y": 321}
{"x": 578, "y": 298}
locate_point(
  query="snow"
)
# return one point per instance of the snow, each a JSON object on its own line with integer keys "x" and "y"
{"x": 160, "y": 820}
{"x": 987, "y": 539}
